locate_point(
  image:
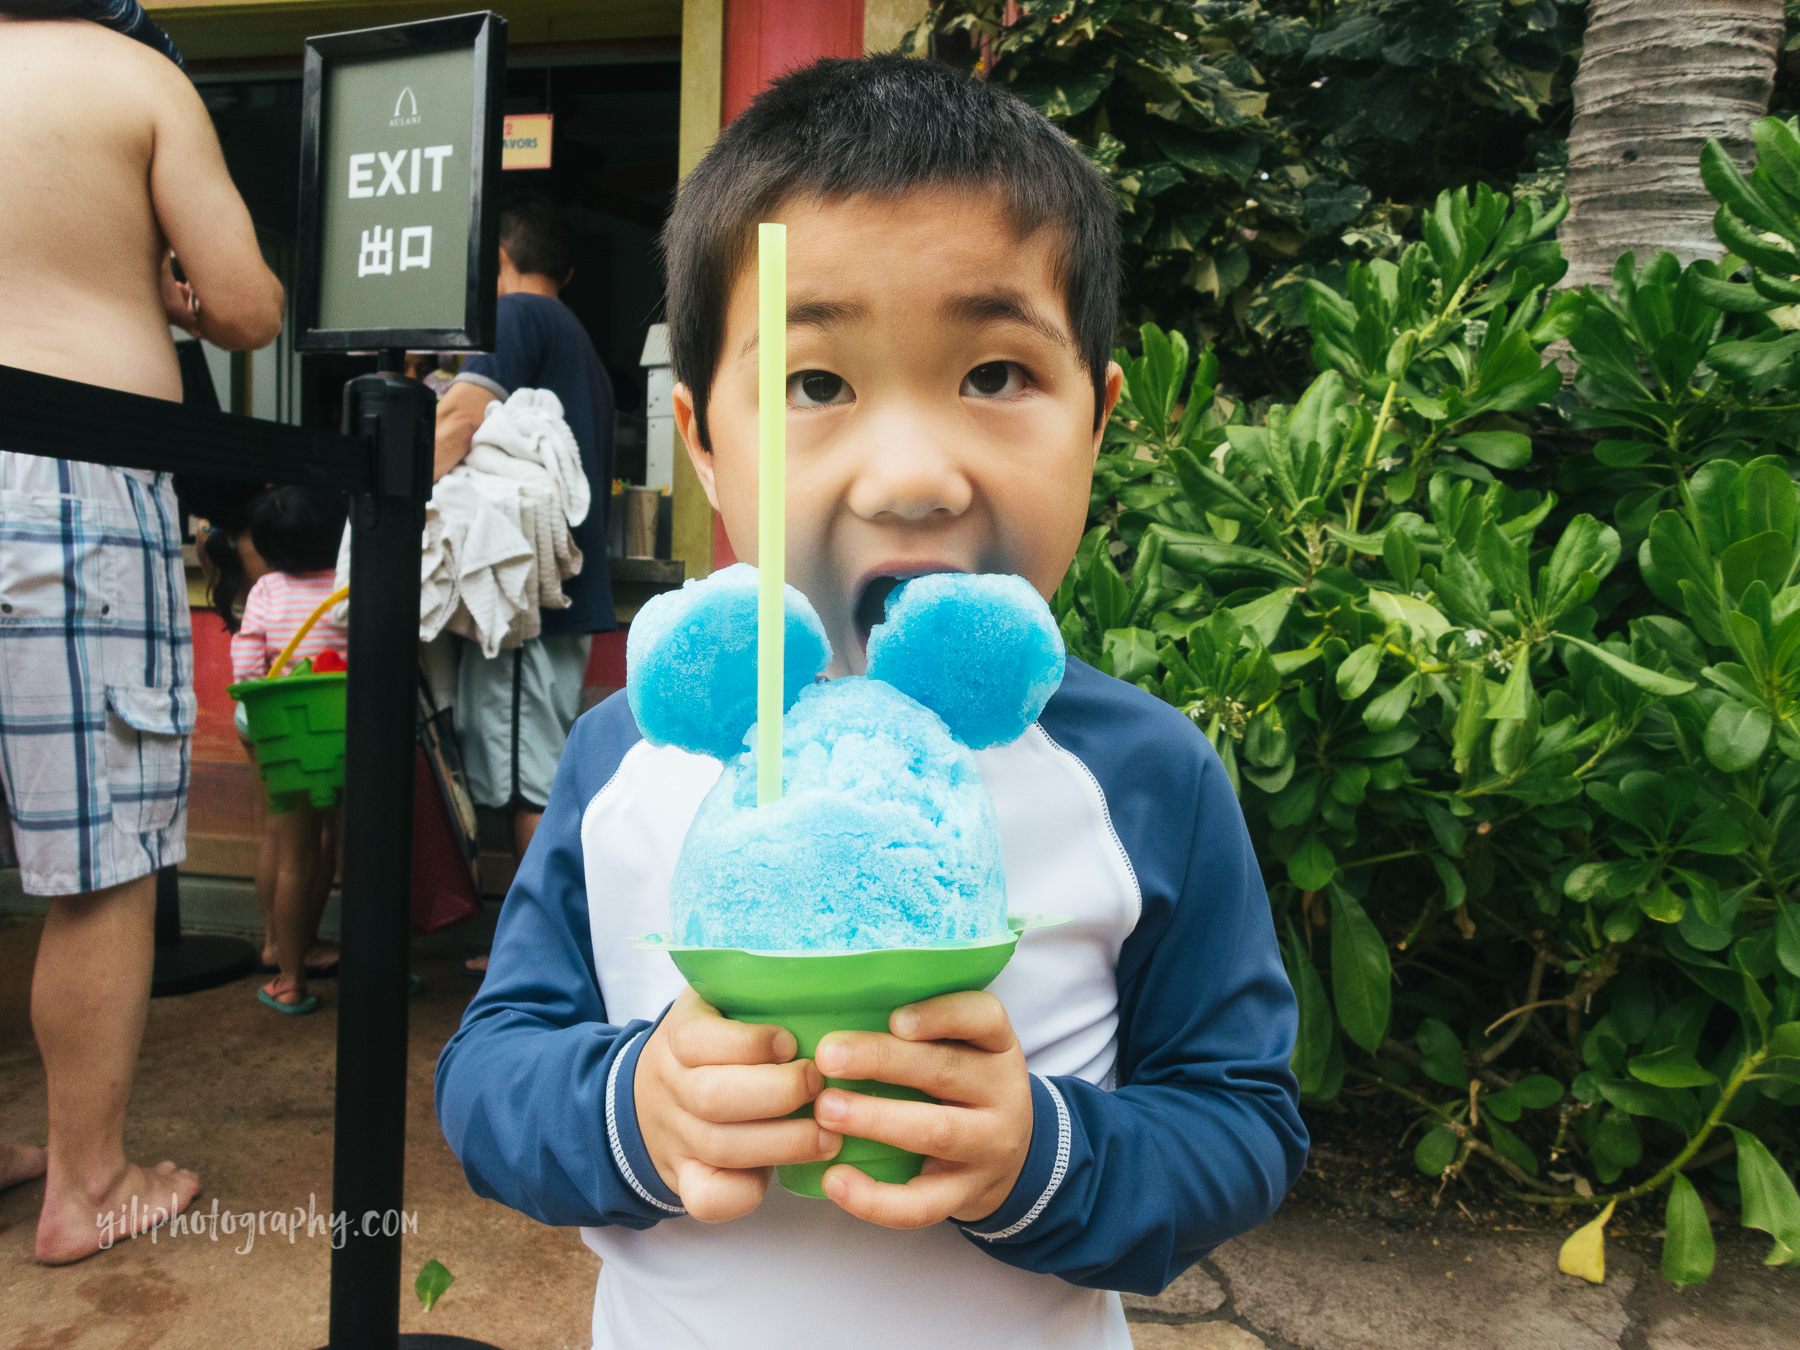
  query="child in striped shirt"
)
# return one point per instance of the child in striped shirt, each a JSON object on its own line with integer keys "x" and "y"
{"x": 296, "y": 532}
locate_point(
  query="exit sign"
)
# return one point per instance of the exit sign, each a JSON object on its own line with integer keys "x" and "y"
{"x": 525, "y": 141}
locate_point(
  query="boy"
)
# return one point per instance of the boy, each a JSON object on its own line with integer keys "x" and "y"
{"x": 1120, "y": 1101}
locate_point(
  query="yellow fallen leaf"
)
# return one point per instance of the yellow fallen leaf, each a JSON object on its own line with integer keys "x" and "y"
{"x": 1584, "y": 1254}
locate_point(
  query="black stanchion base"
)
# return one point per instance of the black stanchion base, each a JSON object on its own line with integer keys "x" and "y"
{"x": 427, "y": 1341}
{"x": 197, "y": 962}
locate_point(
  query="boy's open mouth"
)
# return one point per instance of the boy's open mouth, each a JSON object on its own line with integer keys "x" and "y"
{"x": 872, "y": 598}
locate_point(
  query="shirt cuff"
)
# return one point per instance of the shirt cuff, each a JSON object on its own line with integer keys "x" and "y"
{"x": 625, "y": 1141}
{"x": 1046, "y": 1165}
{"x": 493, "y": 387}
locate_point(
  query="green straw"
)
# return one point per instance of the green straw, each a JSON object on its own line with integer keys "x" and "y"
{"x": 771, "y": 503}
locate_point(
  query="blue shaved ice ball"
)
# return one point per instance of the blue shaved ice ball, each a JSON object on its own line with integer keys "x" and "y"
{"x": 690, "y": 657}
{"x": 982, "y": 650}
{"x": 884, "y": 836}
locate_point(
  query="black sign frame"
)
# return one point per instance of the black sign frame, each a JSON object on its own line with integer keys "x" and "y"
{"x": 485, "y": 32}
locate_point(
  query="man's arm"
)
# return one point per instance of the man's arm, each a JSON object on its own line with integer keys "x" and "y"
{"x": 206, "y": 222}
{"x": 459, "y": 415}
{"x": 1125, "y": 1189}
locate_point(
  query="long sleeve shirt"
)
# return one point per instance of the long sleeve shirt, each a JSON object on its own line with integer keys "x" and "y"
{"x": 1157, "y": 1023}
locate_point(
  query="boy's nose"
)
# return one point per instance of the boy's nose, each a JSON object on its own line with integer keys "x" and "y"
{"x": 912, "y": 477}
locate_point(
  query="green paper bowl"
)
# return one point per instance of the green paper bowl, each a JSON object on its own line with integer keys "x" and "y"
{"x": 815, "y": 993}
{"x": 297, "y": 726}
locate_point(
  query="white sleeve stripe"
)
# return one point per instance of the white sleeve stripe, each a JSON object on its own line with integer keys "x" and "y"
{"x": 612, "y": 1131}
{"x": 1057, "y": 1173}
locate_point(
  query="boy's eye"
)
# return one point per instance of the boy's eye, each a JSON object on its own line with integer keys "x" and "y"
{"x": 994, "y": 379}
{"x": 817, "y": 389}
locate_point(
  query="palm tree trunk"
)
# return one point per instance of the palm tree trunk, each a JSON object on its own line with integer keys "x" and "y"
{"x": 1657, "y": 78}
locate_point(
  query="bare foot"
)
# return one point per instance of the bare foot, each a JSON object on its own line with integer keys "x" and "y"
{"x": 291, "y": 995}
{"x": 73, "y": 1225}
{"x": 20, "y": 1162}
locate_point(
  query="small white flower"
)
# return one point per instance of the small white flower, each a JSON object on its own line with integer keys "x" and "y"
{"x": 1389, "y": 462}
{"x": 1474, "y": 637}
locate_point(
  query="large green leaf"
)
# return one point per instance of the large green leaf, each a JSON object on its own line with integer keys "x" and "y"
{"x": 1132, "y": 653}
{"x": 1360, "y": 972}
{"x": 1787, "y": 942}
{"x": 1358, "y": 672}
{"x": 1312, "y": 1046}
{"x": 1441, "y": 1054}
{"x": 1435, "y": 1151}
{"x": 1769, "y": 1201}
{"x": 1311, "y": 866}
{"x": 1736, "y": 736}
{"x": 1502, "y": 449}
{"x": 1687, "y": 1255}
{"x": 1652, "y": 681}
{"x": 1673, "y": 1067}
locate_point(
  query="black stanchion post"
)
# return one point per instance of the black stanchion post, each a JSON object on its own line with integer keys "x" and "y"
{"x": 370, "y": 1141}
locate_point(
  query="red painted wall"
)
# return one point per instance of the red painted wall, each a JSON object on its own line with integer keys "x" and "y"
{"x": 766, "y": 38}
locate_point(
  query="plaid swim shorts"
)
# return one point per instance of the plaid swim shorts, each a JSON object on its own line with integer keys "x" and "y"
{"x": 96, "y": 672}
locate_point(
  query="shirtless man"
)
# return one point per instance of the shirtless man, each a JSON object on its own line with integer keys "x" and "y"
{"x": 96, "y": 664}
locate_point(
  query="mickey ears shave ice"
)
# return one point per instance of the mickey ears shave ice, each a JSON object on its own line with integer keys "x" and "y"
{"x": 884, "y": 835}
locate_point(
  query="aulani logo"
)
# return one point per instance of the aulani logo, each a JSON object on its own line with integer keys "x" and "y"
{"x": 408, "y": 102}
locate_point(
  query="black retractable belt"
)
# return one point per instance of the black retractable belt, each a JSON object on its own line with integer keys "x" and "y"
{"x": 384, "y": 463}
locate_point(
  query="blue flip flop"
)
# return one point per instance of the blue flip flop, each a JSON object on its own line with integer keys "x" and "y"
{"x": 308, "y": 1004}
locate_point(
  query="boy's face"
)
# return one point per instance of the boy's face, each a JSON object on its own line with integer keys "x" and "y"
{"x": 939, "y": 418}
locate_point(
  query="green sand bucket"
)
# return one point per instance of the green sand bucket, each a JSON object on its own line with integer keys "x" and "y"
{"x": 815, "y": 993}
{"x": 297, "y": 727}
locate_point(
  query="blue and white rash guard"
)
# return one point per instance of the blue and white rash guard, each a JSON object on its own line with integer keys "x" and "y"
{"x": 1157, "y": 1025}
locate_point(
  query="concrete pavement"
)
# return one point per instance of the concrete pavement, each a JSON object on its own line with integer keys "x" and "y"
{"x": 244, "y": 1097}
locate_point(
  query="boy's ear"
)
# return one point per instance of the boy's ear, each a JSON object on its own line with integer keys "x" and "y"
{"x": 1115, "y": 382}
{"x": 688, "y": 424}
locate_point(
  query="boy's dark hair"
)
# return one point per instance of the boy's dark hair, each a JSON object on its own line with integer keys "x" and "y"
{"x": 883, "y": 126}
{"x": 297, "y": 529}
{"x": 536, "y": 237}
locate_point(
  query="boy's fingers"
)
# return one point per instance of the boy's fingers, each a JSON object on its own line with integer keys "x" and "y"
{"x": 943, "y": 1069}
{"x": 699, "y": 1034}
{"x": 921, "y": 1202}
{"x": 975, "y": 1017}
{"x": 947, "y": 1132}
{"x": 725, "y": 1093}
{"x": 761, "y": 1143}
{"x": 714, "y": 1195}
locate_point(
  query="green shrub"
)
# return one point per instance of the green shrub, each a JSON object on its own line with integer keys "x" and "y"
{"x": 1257, "y": 143}
{"x": 1516, "y": 727}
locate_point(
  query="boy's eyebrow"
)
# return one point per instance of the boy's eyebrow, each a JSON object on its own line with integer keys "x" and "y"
{"x": 814, "y": 314}
{"x": 1004, "y": 305}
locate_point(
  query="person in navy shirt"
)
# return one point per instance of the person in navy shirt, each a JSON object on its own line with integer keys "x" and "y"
{"x": 514, "y": 710}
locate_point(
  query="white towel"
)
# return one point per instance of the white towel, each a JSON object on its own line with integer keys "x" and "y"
{"x": 529, "y": 426}
{"x": 541, "y": 518}
{"x": 496, "y": 566}
{"x": 497, "y": 544}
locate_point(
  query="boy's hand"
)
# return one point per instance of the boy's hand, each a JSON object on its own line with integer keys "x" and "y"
{"x": 710, "y": 1096}
{"x": 961, "y": 1049}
